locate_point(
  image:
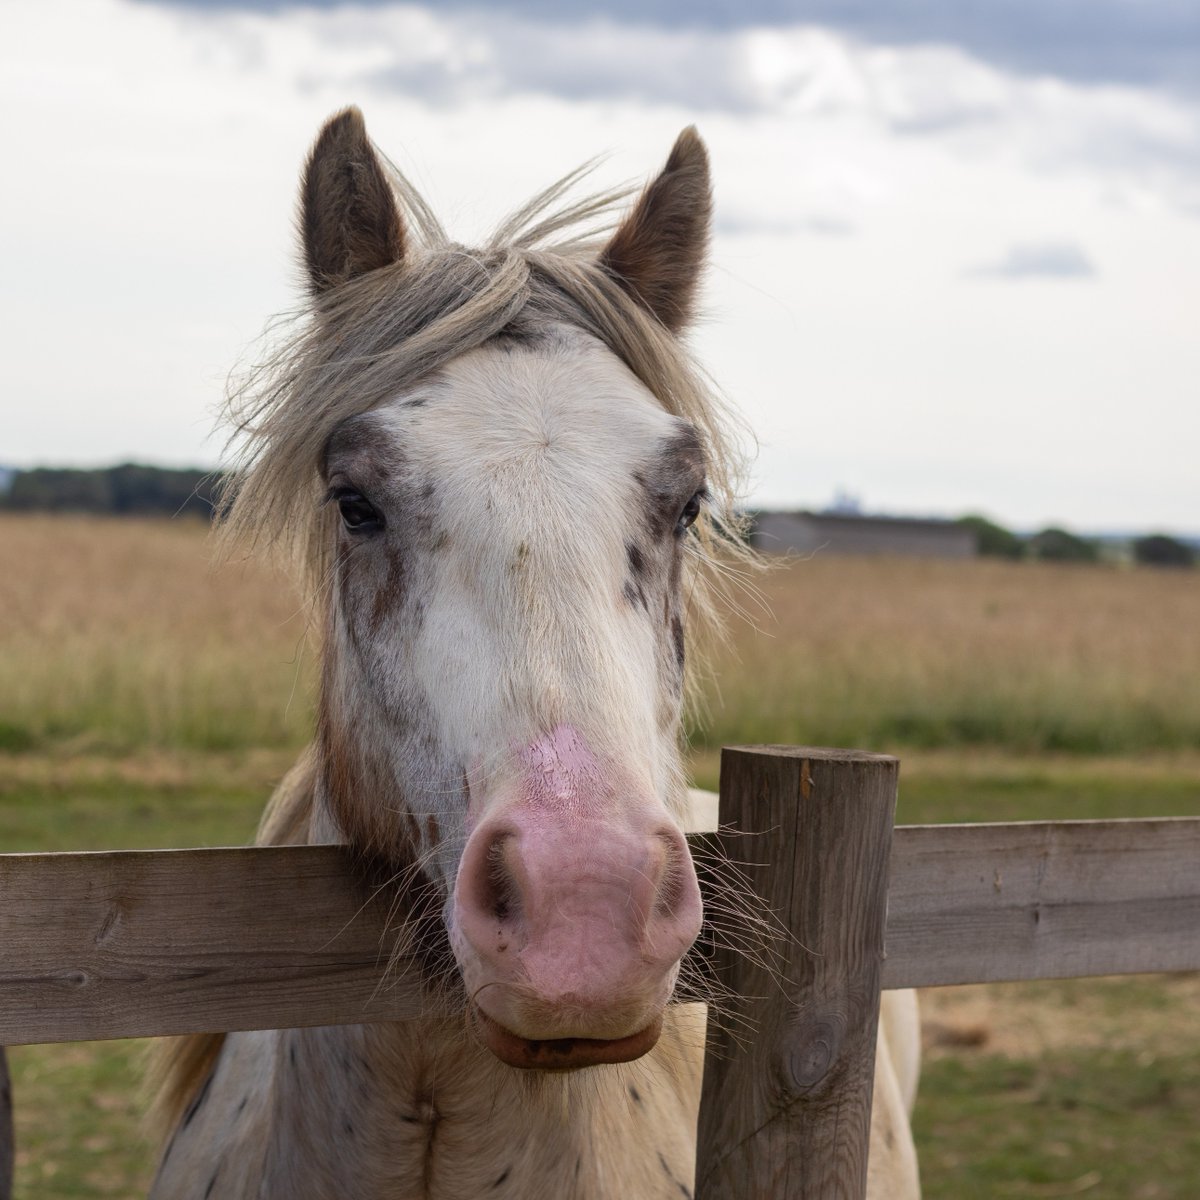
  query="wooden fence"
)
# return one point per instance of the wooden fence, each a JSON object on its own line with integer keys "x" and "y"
{"x": 146, "y": 943}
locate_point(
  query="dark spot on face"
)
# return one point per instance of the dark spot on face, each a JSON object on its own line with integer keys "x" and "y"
{"x": 674, "y": 475}
{"x": 502, "y": 1177}
{"x": 212, "y": 1183}
{"x": 242, "y": 1106}
{"x": 634, "y": 596}
{"x": 637, "y": 1098}
{"x": 292, "y": 1054}
{"x": 347, "y": 1128}
{"x": 417, "y": 402}
{"x": 349, "y": 440}
{"x": 389, "y": 596}
{"x": 677, "y": 639}
{"x": 637, "y": 560}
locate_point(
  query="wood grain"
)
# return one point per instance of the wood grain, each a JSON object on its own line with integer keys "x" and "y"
{"x": 1043, "y": 900}
{"x": 143, "y": 943}
{"x": 786, "y": 1105}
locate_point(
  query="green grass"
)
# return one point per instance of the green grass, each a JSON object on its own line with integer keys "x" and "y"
{"x": 1034, "y": 793}
{"x": 111, "y": 811}
{"x": 1108, "y": 1124}
{"x": 78, "y": 1121}
{"x": 1035, "y": 1089}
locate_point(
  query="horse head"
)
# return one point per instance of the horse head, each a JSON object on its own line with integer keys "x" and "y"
{"x": 508, "y": 468}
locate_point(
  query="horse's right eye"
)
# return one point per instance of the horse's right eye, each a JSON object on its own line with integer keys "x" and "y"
{"x": 359, "y": 515}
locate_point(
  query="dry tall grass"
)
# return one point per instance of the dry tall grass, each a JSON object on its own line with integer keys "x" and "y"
{"x": 903, "y": 652}
{"x": 116, "y": 633}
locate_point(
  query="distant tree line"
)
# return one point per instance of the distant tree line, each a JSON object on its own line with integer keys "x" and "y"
{"x": 133, "y": 489}
{"x": 130, "y": 489}
{"x": 1059, "y": 545}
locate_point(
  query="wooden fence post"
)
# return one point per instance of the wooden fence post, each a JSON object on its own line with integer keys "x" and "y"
{"x": 786, "y": 1106}
{"x": 6, "y": 1130}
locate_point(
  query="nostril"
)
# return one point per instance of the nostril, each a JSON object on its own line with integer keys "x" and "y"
{"x": 675, "y": 881}
{"x": 500, "y": 896}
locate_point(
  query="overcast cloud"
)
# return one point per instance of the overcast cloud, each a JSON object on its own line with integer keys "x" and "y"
{"x": 1144, "y": 42}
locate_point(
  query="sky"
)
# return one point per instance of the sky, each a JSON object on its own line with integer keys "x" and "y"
{"x": 956, "y": 265}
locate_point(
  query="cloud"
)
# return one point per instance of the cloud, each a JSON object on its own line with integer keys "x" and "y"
{"x": 1138, "y": 139}
{"x": 1038, "y": 260}
{"x": 1140, "y": 42}
{"x": 487, "y": 55}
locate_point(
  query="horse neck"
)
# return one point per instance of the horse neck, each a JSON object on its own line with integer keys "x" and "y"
{"x": 419, "y": 1106}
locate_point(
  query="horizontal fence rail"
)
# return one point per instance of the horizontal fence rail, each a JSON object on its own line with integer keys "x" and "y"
{"x": 146, "y": 943}
{"x": 1042, "y": 900}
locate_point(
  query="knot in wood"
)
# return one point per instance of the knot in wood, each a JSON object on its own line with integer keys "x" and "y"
{"x": 75, "y": 978}
{"x": 813, "y": 1053}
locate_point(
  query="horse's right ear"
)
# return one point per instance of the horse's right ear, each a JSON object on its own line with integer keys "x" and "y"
{"x": 657, "y": 253}
{"x": 348, "y": 215}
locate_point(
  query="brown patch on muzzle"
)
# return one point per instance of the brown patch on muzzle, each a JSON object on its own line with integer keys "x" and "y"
{"x": 561, "y": 1054}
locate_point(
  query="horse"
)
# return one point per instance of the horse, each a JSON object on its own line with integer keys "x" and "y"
{"x": 507, "y": 486}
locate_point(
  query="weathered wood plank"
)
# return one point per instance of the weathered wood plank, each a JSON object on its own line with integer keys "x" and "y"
{"x": 785, "y": 1112}
{"x": 148, "y": 943}
{"x": 153, "y": 942}
{"x": 1042, "y": 900}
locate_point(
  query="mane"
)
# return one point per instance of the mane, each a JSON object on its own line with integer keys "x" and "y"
{"x": 363, "y": 341}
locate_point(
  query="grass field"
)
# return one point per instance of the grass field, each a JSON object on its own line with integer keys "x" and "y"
{"x": 146, "y": 701}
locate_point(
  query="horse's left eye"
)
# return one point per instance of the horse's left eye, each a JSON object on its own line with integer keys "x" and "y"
{"x": 691, "y": 510}
{"x": 359, "y": 515}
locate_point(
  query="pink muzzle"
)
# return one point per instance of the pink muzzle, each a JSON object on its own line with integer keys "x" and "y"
{"x": 571, "y": 914}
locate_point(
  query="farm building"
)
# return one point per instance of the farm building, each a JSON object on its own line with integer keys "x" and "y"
{"x": 854, "y": 533}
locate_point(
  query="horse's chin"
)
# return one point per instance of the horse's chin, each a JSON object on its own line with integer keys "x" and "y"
{"x": 561, "y": 1054}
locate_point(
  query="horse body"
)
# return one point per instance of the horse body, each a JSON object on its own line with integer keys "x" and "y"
{"x": 496, "y": 466}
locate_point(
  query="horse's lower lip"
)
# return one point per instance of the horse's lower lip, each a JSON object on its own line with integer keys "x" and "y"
{"x": 562, "y": 1054}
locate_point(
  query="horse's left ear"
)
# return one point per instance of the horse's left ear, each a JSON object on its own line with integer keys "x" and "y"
{"x": 348, "y": 215}
{"x": 659, "y": 249}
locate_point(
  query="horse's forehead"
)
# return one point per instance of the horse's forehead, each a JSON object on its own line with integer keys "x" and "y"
{"x": 560, "y": 408}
